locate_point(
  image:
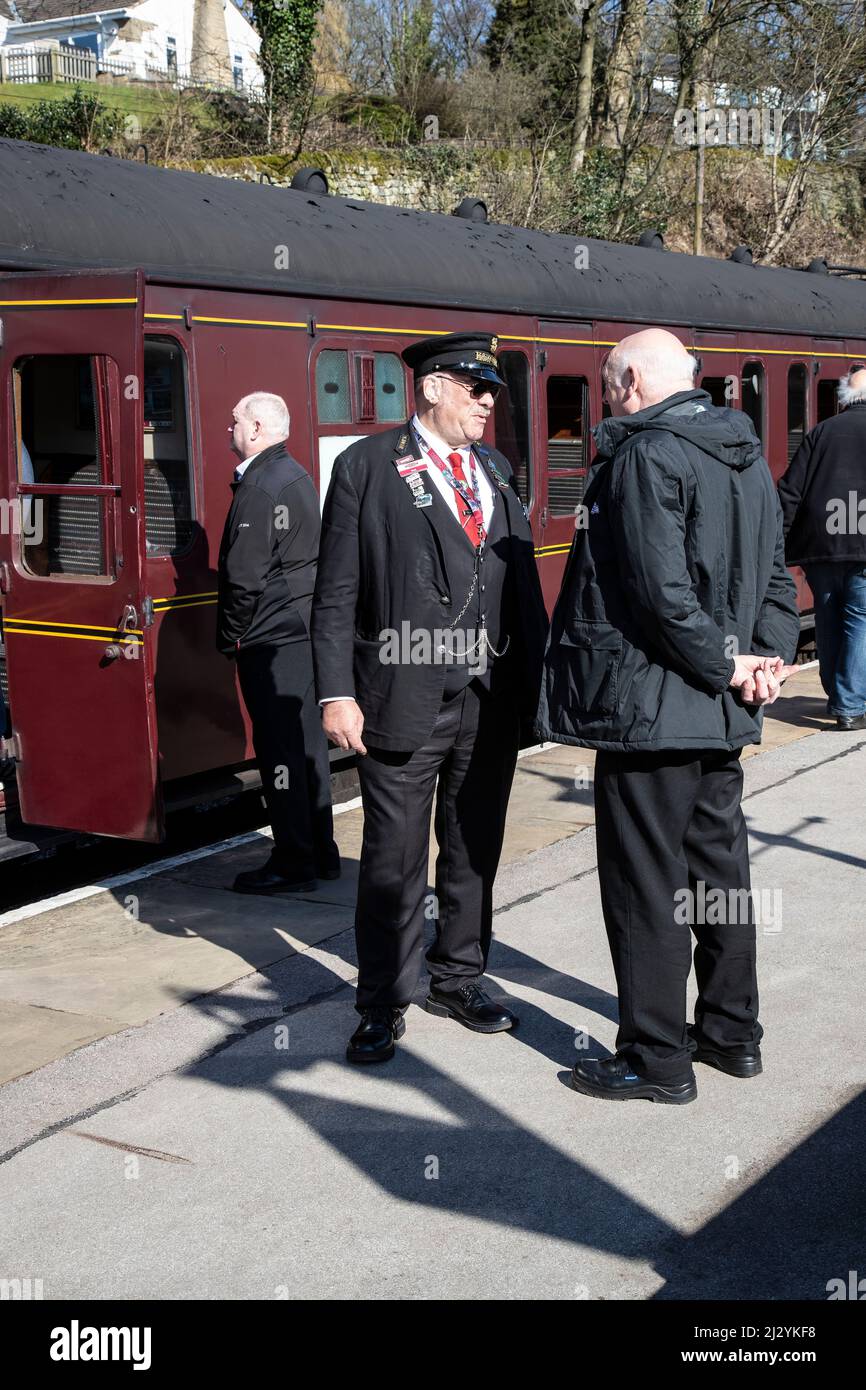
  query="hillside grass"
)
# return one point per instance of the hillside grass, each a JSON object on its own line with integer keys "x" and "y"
{"x": 138, "y": 99}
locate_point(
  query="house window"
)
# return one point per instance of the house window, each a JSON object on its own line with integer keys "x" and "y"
{"x": 238, "y": 72}
{"x": 171, "y": 54}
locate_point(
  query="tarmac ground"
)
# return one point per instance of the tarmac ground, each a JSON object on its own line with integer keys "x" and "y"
{"x": 178, "y": 1120}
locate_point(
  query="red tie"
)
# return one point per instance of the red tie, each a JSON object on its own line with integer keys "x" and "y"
{"x": 469, "y": 523}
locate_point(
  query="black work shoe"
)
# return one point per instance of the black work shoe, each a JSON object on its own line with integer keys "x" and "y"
{"x": 270, "y": 881}
{"x": 611, "y": 1078}
{"x": 373, "y": 1039}
{"x": 471, "y": 1007}
{"x": 846, "y": 722}
{"x": 745, "y": 1063}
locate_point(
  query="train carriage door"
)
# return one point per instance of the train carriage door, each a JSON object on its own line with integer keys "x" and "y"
{"x": 76, "y": 620}
{"x": 565, "y": 383}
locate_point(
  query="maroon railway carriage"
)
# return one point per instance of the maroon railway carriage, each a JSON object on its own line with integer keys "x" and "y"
{"x": 137, "y": 305}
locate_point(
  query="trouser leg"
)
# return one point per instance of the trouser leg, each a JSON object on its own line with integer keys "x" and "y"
{"x": 397, "y": 794}
{"x": 717, "y": 852}
{"x": 471, "y": 805}
{"x": 851, "y": 660}
{"x": 643, "y": 807}
{"x": 276, "y": 683}
{"x": 823, "y": 580}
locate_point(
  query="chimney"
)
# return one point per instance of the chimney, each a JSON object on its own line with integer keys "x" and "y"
{"x": 210, "y": 45}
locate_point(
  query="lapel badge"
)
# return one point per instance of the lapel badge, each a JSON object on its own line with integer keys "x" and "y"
{"x": 402, "y": 442}
{"x": 424, "y": 499}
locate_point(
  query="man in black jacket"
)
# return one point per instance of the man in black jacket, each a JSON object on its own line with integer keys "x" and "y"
{"x": 428, "y": 633}
{"x": 267, "y": 570}
{"x": 675, "y": 613}
{"x": 823, "y": 496}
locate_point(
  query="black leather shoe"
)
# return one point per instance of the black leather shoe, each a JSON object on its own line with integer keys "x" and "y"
{"x": 270, "y": 882}
{"x": 744, "y": 1063}
{"x": 328, "y": 871}
{"x": 373, "y": 1040}
{"x": 846, "y": 722}
{"x": 471, "y": 1007}
{"x": 611, "y": 1078}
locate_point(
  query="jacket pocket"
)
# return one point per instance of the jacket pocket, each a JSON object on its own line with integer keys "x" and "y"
{"x": 586, "y": 668}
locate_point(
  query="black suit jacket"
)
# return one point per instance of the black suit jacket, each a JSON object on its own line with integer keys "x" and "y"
{"x": 382, "y": 564}
{"x": 267, "y": 559}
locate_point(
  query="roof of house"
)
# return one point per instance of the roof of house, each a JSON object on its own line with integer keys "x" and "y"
{"x": 31, "y": 11}
{"x": 66, "y": 210}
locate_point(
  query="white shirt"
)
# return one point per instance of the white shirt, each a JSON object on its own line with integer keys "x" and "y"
{"x": 486, "y": 494}
{"x": 242, "y": 467}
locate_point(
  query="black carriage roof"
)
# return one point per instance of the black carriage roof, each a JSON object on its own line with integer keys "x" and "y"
{"x": 63, "y": 210}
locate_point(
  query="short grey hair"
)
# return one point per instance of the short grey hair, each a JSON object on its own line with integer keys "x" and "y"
{"x": 663, "y": 370}
{"x": 850, "y": 394}
{"x": 270, "y": 410}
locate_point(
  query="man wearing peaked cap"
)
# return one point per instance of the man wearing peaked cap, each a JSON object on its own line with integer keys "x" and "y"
{"x": 428, "y": 630}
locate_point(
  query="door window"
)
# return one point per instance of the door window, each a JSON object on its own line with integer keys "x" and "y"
{"x": 752, "y": 397}
{"x": 168, "y": 509}
{"x": 566, "y": 443}
{"x": 333, "y": 402}
{"x": 59, "y": 445}
{"x": 511, "y": 421}
{"x": 797, "y": 382}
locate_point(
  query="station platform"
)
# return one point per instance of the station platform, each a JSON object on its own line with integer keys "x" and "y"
{"x": 178, "y": 1120}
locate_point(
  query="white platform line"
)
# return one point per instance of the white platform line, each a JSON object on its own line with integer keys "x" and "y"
{"x": 161, "y": 866}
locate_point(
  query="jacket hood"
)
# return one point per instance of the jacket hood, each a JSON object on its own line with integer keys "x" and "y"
{"x": 726, "y": 435}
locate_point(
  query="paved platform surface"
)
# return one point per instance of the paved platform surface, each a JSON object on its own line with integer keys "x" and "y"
{"x": 85, "y": 970}
{"x": 223, "y": 1148}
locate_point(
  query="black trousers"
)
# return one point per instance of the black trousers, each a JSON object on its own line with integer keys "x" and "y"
{"x": 472, "y": 752}
{"x": 670, "y": 830}
{"x": 292, "y": 754}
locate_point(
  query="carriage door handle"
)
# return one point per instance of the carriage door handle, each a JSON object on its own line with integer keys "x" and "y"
{"x": 128, "y": 623}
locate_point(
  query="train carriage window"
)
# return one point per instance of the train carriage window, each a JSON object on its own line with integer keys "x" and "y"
{"x": 167, "y": 481}
{"x": 333, "y": 402}
{"x": 511, "y": 422}
{"x": 58, "y": 443}
{"x": 717, "y": 387}
{"x": 797, "y": 396}
{"x": 752, "y": 396}
{"x": 566, "y": 443}
{"x": 828, "y": 398}
{"x": 390, "y": 388}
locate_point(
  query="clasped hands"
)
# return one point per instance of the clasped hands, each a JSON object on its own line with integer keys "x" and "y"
{"x": 759, "y": 678}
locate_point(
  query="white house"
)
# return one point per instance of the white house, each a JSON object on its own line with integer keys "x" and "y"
{"x": 186, "y": 40}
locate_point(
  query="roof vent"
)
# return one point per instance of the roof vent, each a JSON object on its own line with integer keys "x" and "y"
{"x": 310, "y": 181}
{"x": 819, "y": 266}
{"x": 742, "y": 255}
{"x": 473, "y": 209}
{"x": 652, "y": 239}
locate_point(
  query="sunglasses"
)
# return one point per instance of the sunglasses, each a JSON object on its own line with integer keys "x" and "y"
{"x": 476, "y": 388}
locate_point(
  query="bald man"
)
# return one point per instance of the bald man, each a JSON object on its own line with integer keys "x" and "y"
{"x": 823, "y": 496}
{"x": 668, "y": 636}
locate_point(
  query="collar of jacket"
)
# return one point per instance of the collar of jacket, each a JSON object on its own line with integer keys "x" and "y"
{"x": 272, "y": 451}
{"x": 613, "y": 432}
